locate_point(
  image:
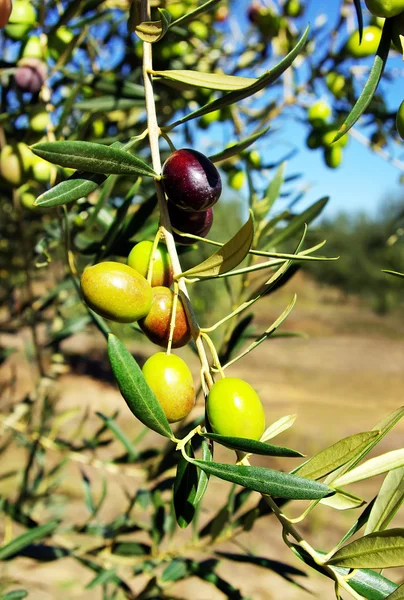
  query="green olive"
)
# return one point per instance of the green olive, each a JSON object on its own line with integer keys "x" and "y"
{"x": 22, "y": 19}
{"x": 15, "y": 163}
{"x": 333, "y": 156}
{"x": 318, "y": 113}
{"x": 172, "y": 383}
{"x": 329, "y": 135}
{"x": 235, "y": 409}
{"x": 139, "y": 259}
{"x": 336, "y": 84}
{"x": 314, "y": 140}
{"x": 293, "y": 8}
{"x": 33, "y": 48}
{"x": 370, "y": 42}
{"x": 400, "y": 120}
{"x": 236, "y": 180}
{"x": 385, "y": 8}
{"x": 156, "y": 324}
{"x": 39, "y": 121}
{"x": 58, "y": 41}
{"x": 116, "y": 291}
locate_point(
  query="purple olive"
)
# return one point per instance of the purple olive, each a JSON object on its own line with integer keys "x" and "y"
{"x": 197, "y": 223}
{"x": 30, "y": 75}
{"x": 191, "y": 181}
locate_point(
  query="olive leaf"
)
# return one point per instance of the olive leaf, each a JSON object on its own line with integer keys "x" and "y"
{"x": 211, "y": 81}
{"x": 227, "y": 257}
{"x": 252, "y": 446}
{"x": 335, "y": 456}
{"x": 153, "y": 31}
{"x": 343, "y": 501}
{"x": 92, "y": 157}
{"x": 379, "y": 550}
{"x": 25, "y": 539}
{"x": 185, "y": 490}
{"x": 388, "y": 501}
{"x": 398, "y": 594}
{"x": 359, "y": 16}
{"x": 194, "y": 13}
{"x": 79, "y": 185}
{"x": 134, "y": 389}
{"x": 371, "y": 84}
{"x": 235, "y": 149}
{"x": 372, "y": 467}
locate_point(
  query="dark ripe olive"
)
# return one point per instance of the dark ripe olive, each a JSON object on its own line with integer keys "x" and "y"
{"x": 197, "y": 223}
{"x": 191, "y": 181}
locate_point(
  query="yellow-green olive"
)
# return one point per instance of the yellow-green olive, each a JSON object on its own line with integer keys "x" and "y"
{"x": 139, "y": 259}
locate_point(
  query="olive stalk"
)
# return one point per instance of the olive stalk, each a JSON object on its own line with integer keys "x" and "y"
{"x": 165, "y": 224}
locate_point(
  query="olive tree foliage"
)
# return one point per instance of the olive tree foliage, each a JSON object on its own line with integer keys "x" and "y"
{"x": 119, "y": 85}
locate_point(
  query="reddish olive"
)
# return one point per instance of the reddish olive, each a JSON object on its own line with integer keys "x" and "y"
{"x": 116, "y": 292}
{"x": 139, "y": 259}
{"x": 5, "y": 11}
{"x": 196, "y": 223}
{"x": 191, "y": 181}
{"x": 30, "y": 75}
{"x": 235, "y": 409}
{"x": 156, "y": 324}
{"x": 170, "y": 379}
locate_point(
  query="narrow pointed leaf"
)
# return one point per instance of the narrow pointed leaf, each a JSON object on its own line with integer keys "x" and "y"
{"x": 359, "y": 17}
{"x": 372, "y": 467}
{"x": 343, "y": 501}
{"x": 26, "y": 539}
{"x": 184, "y": 491}
{"x": 79, "y": 185}
{"x": 153, "y": 31}
{"x": 336, "y": 455}
{"x": 252, "y": 446}
{"x": 395, "y": 273}
{"x": 203, "y": 476}
{"x": 398, "y": 594}
{"x": 14, "y": 595}
{"x": 373, "y": 81}
{"x": 92, "y": 157}
{"x": 235, "y": 149}
{"x": 104, "y": 577}
{"x": 278, "y": 427}
{"x": 379, "y": 550}
{"x": 262, "y": 207}
{"x": 267, "y": 481}
{"x": 134, "y": 389}
{"x": 262, "y": 82}
{"x": 227, "y": 257}
{"x": 109, "y": 103}
{"x": 120, "y": 435}
{"x": 195, "y": 13}
{"x": 211, "y": 81}
{"x": 388, "y": 501}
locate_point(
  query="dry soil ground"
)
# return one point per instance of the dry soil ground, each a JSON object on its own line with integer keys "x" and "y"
{"x": 344, "y": 378}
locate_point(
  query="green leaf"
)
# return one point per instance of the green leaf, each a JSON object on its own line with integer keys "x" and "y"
{"x": 262, "y": 207}
{"x": 14, "y": 595}
{"x": 235, "y": 149}
{"x": 211, "y": 81}
{"x": 203, "y": 477}
{"x": 194, "y": 13}
{"x": 153, "y": 31}
{"x": 104, "y": 577}
{"x": 79, "y": 185}
{"x": 343, "y": 501}
{"x": 379, "y": 550}
{"x": 134, "y": 389}
{"x": 266, "y": 481}
{"x": 371, "y": 84}
{"x": 261, "y": 83}
{"x": 278, "y": 427}
{"x": 251, "y": 446}
{"x": 227, "y": 257}
{"x": 370, "y": 584}
{"x": 120, "y": 436}
{"x": 176, "y": 569}
{"x": 398, "y": 594}
{"x": 25, "y": 539}
{"x": 388, "y": 501}
{"x": 297, "y": 223}
{"x": 372, "y": 467}
{"x": 92, "y": 157}
{"x": 336, "y": 455}
{"x": 108, "y": 103}
{"x": 184, "y": 491}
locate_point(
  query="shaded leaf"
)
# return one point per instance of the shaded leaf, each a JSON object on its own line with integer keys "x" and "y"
{"x": 184, "y": 491}
{"x": 235, "y": 149}
{"x": 203, "y": 477}
{"x": 153, "y": 31}
{"x": 388, "y": 501}
{"x": 227, "y": 257}
{"x": 336, "y": 455}
{"x": 395, "y": 273}
{"x": 211, "y": 81}
{"x": 120, "y": 436}
{"x": 134, "y": 389}
{"x": 272, "y": 193}
{"x": 373, "y": 466}
{"x": 267, "y": 481}
{"x": 194, "y": 13}
{"x": 371, "y": 84}
{"x": 108, "y": 103}
{"x": 177, "y": 569}
{"x": 92, "y": 157}
{"x": 359, "y": 17}
{"x": 380, "y": 550}
{"x": 252, "y": 446}
{"x": 25, "y": 539}
{"x": 104, "y": 577}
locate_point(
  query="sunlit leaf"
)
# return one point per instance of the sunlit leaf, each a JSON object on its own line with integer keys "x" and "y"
{"x": 343, "y": 501}
{"x": 211, "y": 81}
{"x": 153, "y": 31}
{"x": 398, "y": 594}
{"x": 278, "y": 427}
{"x": 227, "y": 257}
{"x": 25, "y": 539}
{"x": 134, "y": 389}
{"x": 235, "y": 149}
{"x": 379, "y": 550}
{"x": 372, "y": 467}
{"x": 252, "y": 446}
{"x": 388, "y": 501}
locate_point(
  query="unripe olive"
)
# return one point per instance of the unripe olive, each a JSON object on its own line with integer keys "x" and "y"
{"x": 33, "y": 48}
{"x": 41, "y": 169}
{"x": 39, "y": 121}
{"x": 385, "y": 8}
{"x": 156, "y": 324}
{"x": 191, "y": 181}
{"x": 236, "y": 180}
{"x": 27, "y": 199}
{"x": 370, "y": 42}
{"x": 293, "y": 8}
{"x": 254, "y": 158}
{"x": 209, "y": 118}
{"x": 139, "y": 259}
{"x": 314, "y": 140}
{"x": 318, "y": 113}
{"x": 235, "y": 409}
{"x": 336, "y": 84}
{"x": 199, "y": 29}
{"x": 172, "y": 383}
{"x": 15, "y": 163}
{"x": 58, "y": 41}
{"x": 196, "y": 223}
{"x": 400, "y": 120}
{"x": 5, "y": 11}
{"x": 30, "y": 75}
{"x": 22, "y": 19}
{"x": 116, "y": 292}
{"x": 329, "y": 135}
{"x": 333, "y": 156}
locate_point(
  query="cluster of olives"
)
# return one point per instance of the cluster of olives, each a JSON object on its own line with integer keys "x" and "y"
{"x": 192, "y": 185}
{"x": 19, "y": 165}
{"x": 322, "y": 134}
